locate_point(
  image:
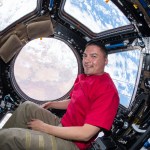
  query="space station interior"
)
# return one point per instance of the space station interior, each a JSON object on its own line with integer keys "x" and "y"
{"x": 131, "y": 127}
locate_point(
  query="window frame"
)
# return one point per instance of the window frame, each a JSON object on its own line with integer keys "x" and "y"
{"x": 25, "y": 18}
{"x": 139, "y": 71}
{"x": 23, "y": 95}
{"x": 83, "y": 29}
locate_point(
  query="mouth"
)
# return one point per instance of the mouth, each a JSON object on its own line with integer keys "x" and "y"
{"x": 87, "y": 66}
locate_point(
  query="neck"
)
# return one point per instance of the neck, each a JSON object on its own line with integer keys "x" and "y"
{"x": 95, "y": 74}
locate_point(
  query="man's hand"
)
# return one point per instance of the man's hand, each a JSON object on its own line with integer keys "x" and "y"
{"x": 46, "y": 105}
{"x": 37, "y": 125}
{"x": 63, "y": 104}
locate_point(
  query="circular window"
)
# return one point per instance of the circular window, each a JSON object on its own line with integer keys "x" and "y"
{"x": 45, "y": 69}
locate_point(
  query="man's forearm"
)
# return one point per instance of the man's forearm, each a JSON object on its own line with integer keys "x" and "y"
{"x": 78, "y": 133}
{"x": 60, "y": 104}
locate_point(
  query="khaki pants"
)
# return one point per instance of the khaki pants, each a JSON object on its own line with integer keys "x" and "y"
{"x": 16, "y": 136}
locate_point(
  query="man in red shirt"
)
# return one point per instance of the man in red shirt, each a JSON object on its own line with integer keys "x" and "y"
{"x": 91, "y": 108}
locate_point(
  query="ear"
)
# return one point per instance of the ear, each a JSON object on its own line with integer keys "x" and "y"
{"x": 106, "y": 60}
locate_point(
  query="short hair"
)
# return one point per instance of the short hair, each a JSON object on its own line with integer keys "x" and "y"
{"x": 101, "y": 46}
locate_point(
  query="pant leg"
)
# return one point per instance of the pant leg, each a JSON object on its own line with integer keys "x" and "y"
{"x": 27, "y": 111}
{"x": 26, "y": 139}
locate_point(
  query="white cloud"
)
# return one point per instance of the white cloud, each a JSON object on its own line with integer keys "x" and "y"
{"x": 10, "y": 11}
{"x": 47, "y": 67}
{"x": 97, "y": 18}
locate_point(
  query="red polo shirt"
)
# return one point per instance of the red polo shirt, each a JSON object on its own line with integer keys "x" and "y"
{"x": 94, "y": 101}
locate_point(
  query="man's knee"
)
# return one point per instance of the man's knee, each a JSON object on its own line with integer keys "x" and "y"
{"x": 28, "y": 105}
{"x": 12, "y": 138}
{"x": 9, "y": 136}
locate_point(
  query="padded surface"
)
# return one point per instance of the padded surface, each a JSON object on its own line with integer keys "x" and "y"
{"x": 40, "y": 29}
{"x": 10, "y": 47}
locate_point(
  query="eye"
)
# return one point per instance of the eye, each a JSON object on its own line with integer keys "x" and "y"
{"x": 94, "y": 56}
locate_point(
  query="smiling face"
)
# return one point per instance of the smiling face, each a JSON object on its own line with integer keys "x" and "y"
{"x": 94, "y": 60}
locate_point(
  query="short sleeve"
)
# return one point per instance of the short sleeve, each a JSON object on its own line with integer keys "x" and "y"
{"x": 103, "y": 110}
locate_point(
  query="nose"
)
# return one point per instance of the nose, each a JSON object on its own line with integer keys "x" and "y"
{"x": 86, "y": 59}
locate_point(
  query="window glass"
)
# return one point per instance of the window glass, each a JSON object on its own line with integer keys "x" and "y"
{"x": 123, "y": 68}
{"x": 45, "y": 69}
{"x": 97, "y": 15}
{"x": 12, "y": 10}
